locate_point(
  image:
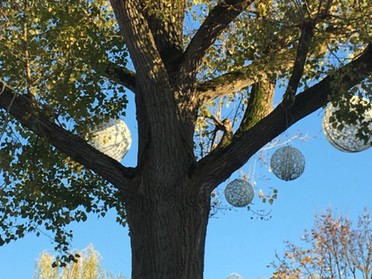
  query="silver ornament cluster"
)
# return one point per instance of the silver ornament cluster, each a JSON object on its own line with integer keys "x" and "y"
{"x": 287, "y": 163}
{"x": 346, "y": 139}
{"x": 112, "y": 138}
{"x": 239, "y": 193}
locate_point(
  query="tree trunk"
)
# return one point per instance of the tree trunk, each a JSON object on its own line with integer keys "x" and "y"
{"x": 168, "y": 235}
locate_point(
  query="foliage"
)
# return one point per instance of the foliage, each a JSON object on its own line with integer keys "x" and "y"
{"x": 71, "y": 60}
{"x": 60, "y": 64}
{"x": 266, "y": 35}
{"x": 86, "y": 266}
{"x": 335, "y": 248}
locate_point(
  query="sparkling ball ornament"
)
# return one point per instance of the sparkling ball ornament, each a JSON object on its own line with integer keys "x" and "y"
{"x": 239, "y": 193}
{"x": 343, "y": 135}
{"x": 287, "y": 163}
{"x": 112, "y": 138}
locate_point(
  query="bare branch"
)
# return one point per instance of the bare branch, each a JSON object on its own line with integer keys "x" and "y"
{"x": 220, "y": 164}
{"x": 237, "y": 80}
{"x": 228, "y": 83}
{"x": 78, "y": 149}
{"x": 260, "y": 103}
{"x": 307, "y": 33}
{"x": 303, "y": 47}
{"x": 216, "y": 21}
{"x": 121, "y": 75}
{"x": 226, "y": 127}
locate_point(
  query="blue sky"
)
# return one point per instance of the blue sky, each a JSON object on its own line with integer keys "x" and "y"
{"x": 235, "y": 242}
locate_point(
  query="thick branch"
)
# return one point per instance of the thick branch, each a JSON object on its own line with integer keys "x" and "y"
{"x": 121, "y": 75}
{"x": 237, "y": 80}
{"x": 216, "y": 21}
{"x": 155, "y": 101}
{"x": 139, "y": 39}
{"x": 303, "y": 47}
{"x": 227, "y": 83}
{"x": 165, "y": 19}
{"x": 259, "y": 105}
{"x": 220, "y": 164}
{"x": 78, "y": 149}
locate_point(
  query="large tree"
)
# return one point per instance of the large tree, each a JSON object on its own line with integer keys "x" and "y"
{"x": 64, "y": 66}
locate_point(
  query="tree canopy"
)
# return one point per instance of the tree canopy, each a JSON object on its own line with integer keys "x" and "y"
{"x": 204, "y": 75}
{"x": 334, "y": 248}
{"x": 87, "y": 265}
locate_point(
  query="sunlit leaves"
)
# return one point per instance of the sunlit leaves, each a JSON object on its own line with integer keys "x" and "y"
{"x": 44, "y": 191}
{"x": 56, "y": 51}
{"x": 267, "y": 34}
{"x": 334, "y": 248}
{"x": 86, "y": 264}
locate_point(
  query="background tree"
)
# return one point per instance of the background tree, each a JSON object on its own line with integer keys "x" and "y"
{"x": 334, "y": 248}
{"x": 86, "y": 265}
{"x": 65, "y": 64}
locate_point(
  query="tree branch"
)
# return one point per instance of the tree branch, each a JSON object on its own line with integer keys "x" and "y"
{"x": 227, "y": 83}
{"x": 139, "y": 40}
{"x": 165, "y": 20}
{"x": 155, "y": 101}
{"x": 216, "y": 21}
{"x": 237, "y": 80}
{"x": 121, "y": 75}
{"x": 303, "y": 47}
{"x": 260, "y": 103}
{"x": 220, "y": 164}
{"x": 78, "y": 149}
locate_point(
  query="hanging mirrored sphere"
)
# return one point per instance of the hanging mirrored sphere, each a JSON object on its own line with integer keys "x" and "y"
{"x": 112, "y": 138}
{"x": 287, "y": 163}
{"x": 239, "y": 193}
{"x": 346, "y": 139}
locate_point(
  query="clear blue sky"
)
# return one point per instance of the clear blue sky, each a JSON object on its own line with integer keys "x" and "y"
{"x": 235, "y": 243}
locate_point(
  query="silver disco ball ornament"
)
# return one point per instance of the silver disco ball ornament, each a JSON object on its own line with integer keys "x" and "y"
{"x": 344, "y": 136}
{"x": 287, "y": 163}
{"x": 112, "y": 138}
{"x": 239, "y": 193}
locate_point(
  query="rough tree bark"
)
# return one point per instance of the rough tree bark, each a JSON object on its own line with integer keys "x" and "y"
{"x": 167, "y": 196}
